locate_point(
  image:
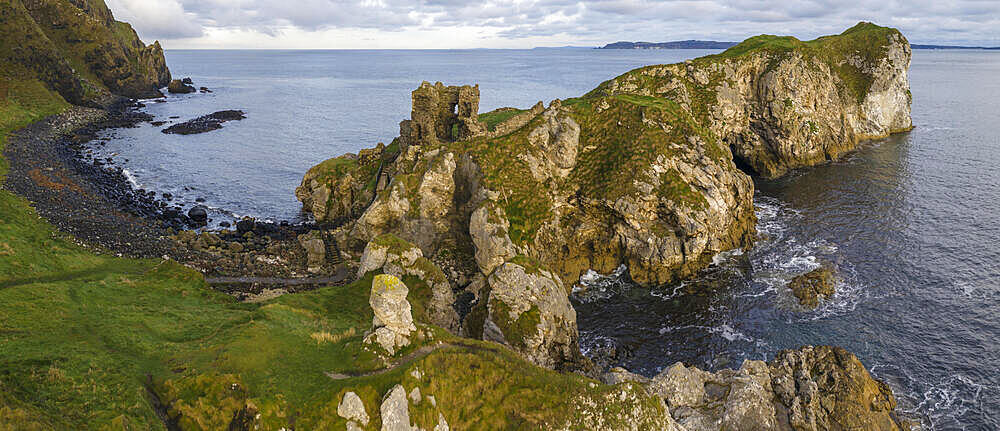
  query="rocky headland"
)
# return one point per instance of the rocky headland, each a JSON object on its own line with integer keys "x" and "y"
{"x": 651, "y": 170}
{"x": 464, "y": 237}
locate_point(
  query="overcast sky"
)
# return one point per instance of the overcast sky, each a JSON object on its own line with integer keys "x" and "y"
{"x": 439, "y": 24}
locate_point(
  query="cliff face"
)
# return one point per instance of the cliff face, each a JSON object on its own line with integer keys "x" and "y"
{"x": 77, "y": 48}
{"x": 639, "y": 172}
{"x": 780, "y": 103}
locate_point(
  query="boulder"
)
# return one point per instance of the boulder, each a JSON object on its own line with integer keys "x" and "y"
{"x": 353, "y": 409}
{"x": 528, "y": 309}
{"x": 178, "y": 87}
{"x": 393, "y": 321}
{"x": 246, "y": 224}
{"x": 814, "y": 285}
{"x": 199, "y": 213}
{"x": 392, "y": 255}
{"x": 187, "y": 81}
{"x": 396, "y": 411}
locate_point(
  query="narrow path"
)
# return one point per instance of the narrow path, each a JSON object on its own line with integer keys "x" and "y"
{"x": 404, "y": 361}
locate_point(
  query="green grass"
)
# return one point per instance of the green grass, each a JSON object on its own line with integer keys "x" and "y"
{"x": 84, "y": 337}
{"x": 494, "y": 118}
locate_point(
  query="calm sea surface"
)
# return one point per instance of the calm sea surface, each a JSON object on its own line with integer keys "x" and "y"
{"x": 912, "y": 222}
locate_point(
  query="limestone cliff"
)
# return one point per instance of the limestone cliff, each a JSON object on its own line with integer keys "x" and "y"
{"x": 640, "y": 172}
{"x": 78, "y": 49}
{"x": 780, "y": 103}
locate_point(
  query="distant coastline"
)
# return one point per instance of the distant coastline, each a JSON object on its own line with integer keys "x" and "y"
{"x": 711, "y": 44}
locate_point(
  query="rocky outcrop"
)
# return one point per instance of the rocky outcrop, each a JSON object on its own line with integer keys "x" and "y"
{"x": 179, "y": 87}
{"x": 640, "y": 172}
{"x": 528, "y": 309}
{"x": 781, "y": 103}
{"x": 393, "y": 321}
{"x": 353, "y": 409}
{"x": 813, "y": 388}
{"x": 391, "y": 255}
{"x": 79, "y": 50}
{"x": 812, "y": 286}
{"x": 205, "y": 123}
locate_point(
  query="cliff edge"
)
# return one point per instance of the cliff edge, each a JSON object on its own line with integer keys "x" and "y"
{"x": 77, "y": 49}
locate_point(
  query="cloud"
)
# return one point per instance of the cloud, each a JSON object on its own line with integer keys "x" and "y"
{"x": 162, "y": 19}
{"x": 521, "y": 23}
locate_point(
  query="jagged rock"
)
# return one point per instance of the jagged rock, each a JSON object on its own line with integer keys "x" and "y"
{"x": 810, "y": 287}
{"x": 813, "y": 388}
{"x": 780, "y": 109}
{"x": 488, "y": 228}
{"x": 396, "y": 257}
{"x": 396, "y": 411}
{"x": 46, "y": 40}
{"x": 528, "y": 309}
{"x": 393, "y": 321}
{"x": 352, "y": 408}
{"x": 187, "y": 81}
{"x": 179, "y": 87}
{"x": 827, "y": 387}
{"x": 315, "y": 248}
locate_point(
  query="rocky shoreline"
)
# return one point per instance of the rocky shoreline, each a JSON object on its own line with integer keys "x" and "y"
{"x": 93, "y": 201}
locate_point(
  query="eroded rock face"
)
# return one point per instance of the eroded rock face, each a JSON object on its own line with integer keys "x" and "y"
{"x": 50, "y": 39}
{"x": 639, "y": 172}
{"x": 393, "y": 321}
{"x": 394, "y": 256}
{"x": 528, "y": 309}
{"x": 782, "y": 109}
{"x": 813, "y": 388}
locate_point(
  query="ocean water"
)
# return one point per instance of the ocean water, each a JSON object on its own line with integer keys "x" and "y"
{"x": 912, "y": 222}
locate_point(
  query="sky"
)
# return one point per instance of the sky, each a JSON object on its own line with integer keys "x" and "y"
{"x": 449, "y": 24}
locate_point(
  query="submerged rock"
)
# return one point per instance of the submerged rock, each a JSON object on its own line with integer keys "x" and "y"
{"x": 206, "y": 123}
{"x": 814, "y": 285}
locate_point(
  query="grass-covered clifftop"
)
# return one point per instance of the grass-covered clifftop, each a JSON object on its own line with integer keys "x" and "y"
{"x": 77, "y": 49}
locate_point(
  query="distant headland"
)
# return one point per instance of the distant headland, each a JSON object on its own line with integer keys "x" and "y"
{"x": 711, "y": 44}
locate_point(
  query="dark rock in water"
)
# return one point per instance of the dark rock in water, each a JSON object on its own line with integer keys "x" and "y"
{"x": 179, "y": 87}
{"x": 199, "y": 214}
{"x": 205, "y": 123}
{"x": 174, "y": 117}
{"x": 245, "y": 225}
{"x": 158, "y": 123}
{"x": 809, "y": 287}
{"x": 225, "y": 224}
{"x": 205, "y": 90}
{"x": 187, "y": 81}
{"x": 200, "y": 200}
{"x": 168, "y": 196}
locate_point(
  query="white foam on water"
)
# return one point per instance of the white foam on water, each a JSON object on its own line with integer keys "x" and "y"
{"x": 594, "y": 286}
{"x": 131, "y": 179}
{"x": 724, "y": 331}
{"x": 944, "y": 404}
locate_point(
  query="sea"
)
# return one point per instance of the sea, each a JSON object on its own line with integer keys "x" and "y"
{"x": 911, "y": 222}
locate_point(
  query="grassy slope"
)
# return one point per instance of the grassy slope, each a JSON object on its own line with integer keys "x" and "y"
{"x": 82, "y": 337}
